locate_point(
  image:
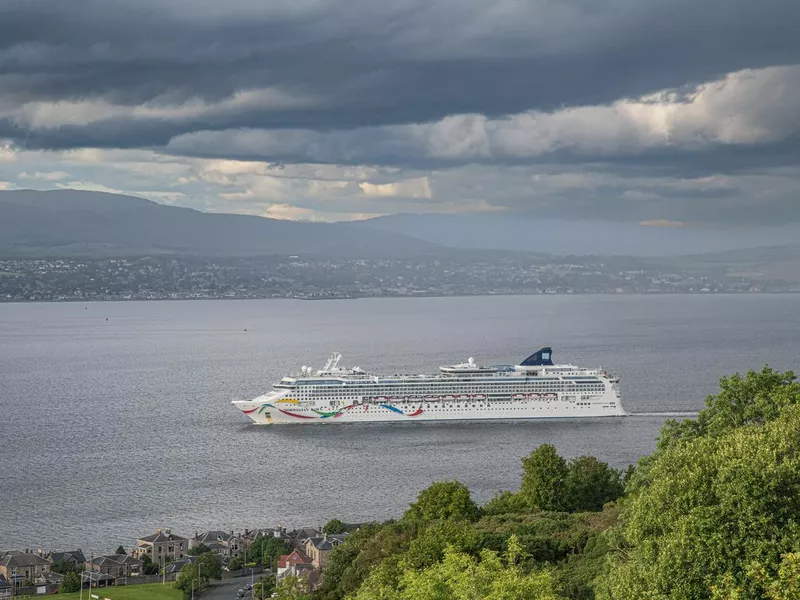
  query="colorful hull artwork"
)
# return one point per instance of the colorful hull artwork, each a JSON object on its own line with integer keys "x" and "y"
{"x": 320, "y": 414}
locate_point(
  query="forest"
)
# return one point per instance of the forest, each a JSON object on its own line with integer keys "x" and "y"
{"x": 713, "y": 512}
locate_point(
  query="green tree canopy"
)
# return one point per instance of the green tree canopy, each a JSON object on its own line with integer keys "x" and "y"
{"x": 589, "y": 484}
{"x": 266, "y": 550}
{"x": 443, "y": 500}
{"x": 199, "y": 549}
{"x": 754, "y": 399}
{"x": 543, "y": 476}
{"x": 506, "y": 503}
{"x": 460, "y": 576}
{"x": 188, "y": 579}
{"x": 208, "y": 566}
{"x": 334, "y": 526}
{"x": 709, "y": 510}
{"x": 71, "y": 582}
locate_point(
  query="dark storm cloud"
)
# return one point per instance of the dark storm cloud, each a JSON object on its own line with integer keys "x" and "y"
{"x": 362, "y": 64}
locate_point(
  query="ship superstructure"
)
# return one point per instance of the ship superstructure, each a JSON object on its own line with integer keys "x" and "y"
{"x": 536, "y": 388}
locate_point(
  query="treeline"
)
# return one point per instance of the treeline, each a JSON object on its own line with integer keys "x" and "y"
{"x": 713, "y": 513}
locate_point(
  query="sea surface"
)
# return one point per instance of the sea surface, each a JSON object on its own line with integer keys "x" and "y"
{"x": 115, "y": 418}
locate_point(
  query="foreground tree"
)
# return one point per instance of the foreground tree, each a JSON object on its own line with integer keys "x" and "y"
{"x": 543, "y": 475}
{"x": 443, "y": 500}
{"x": 460, "y": 576}
{"x": 714, "y": 514}
{"x": 589, "y": 484}
{"x": 755, "y": 399}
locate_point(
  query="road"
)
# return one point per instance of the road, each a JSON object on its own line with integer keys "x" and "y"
{"x": 226, "y": 589}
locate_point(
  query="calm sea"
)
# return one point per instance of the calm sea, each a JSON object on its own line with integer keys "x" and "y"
{"x": 115, "y": 417}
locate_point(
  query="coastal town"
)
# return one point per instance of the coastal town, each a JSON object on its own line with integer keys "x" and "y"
{"x": 267, "y": 556}
{"x": 184, "y": 278}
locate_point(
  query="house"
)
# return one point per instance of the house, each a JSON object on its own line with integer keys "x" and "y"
{"x": 96, "y": 579}
{"x": 297, "y": 563}
{"x": 225, "y": 544}
{"x": 176, "y": 566}
{"x": 161, "y": 546}
{"x": 253, "y": 534}
{"x": 116, "y": 565}
{"x": 74, "y": 557}
{"x": 6, "y": 589}
{"x": 298, "y": 537}
{"x": 318, "y": 548}
{"x": 18, "y": 567}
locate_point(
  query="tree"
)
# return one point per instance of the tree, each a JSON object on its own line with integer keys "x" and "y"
{"x": 264, "y": 587}
{"x": 460, "y": 576}
{"x": 235, "y": 564}
{"x": 543, "y": 475}
{"x": 754, "y": 399}
{"x": 199, "y": 549}
{"x": 710, "y": 512}
{"x": 267, "y": 550}
{"x": 334, "y": 526}
{"x": 188, "y": 579}
{"x": 148, "y": 566}
{"x": 292, "y": 588}
{"x": 506, "y": 503}
{"x": 65, "y": 566}
{"x": 120, "y": 550}
{"x": 443, "y": 500}
{"x": 208, "y": 566}
{"x": 71, "y": 582}
{"x": 589, "y": 484}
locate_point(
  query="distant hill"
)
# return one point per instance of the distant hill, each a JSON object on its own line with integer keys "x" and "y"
{"x": 521, "y": 232}
{"x": 82, "y": 223}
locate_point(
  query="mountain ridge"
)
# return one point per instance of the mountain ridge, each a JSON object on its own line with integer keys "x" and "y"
{"x": 79, "y": 222}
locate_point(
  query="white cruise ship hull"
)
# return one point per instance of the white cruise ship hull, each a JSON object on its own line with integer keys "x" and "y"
{"x": 265, "y": 410}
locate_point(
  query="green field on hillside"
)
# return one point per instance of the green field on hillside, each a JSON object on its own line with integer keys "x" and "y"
{"x": 148, "y": 591}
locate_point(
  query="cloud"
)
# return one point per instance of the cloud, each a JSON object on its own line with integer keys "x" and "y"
{"x": 743, "y": 109}
{"x": 665, "y": 223}
{"x": 410, "y": 188}
{"x": 666, "y": 110}
{"x": 48, "y": 176}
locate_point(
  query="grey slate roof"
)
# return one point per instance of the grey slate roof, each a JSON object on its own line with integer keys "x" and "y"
{"x": 14, "y": 558}
{"x": 177, "y": 565}
{"x": 327, "y": 542}
{"x": 163, "y": 536}
{"x": 75, "y": 556}
{"x": 213, "y": 536}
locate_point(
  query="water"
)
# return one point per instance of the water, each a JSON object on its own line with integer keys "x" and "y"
{"x": 115, "y": 417}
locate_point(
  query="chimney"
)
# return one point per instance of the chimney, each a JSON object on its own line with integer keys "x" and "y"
{"x": 158, "y": 530}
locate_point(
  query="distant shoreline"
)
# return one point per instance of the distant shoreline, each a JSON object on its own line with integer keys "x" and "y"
{"x": 398, "y": 296}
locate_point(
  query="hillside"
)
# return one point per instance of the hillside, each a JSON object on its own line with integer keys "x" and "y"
{"x": 525, "y": 232}
{"x": 81, "y": 223}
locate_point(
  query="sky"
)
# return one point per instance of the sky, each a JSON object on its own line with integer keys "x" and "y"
{"x": 660, "y": 114}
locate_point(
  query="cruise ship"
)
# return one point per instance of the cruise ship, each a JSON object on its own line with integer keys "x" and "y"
{"x": 535, "y": 389}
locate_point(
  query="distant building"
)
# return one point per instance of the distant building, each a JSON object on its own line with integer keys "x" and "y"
{"x": 297, "y": 564}
{"x": 116, "y": 565}
{"x": 73, "y": 557}
{"x": 176, "y": 566}
{"x": 222, "y": 543}
{"x": 318, "y": 548}
{"x": 18, "y": 567}
{"x": 162, "y": 545}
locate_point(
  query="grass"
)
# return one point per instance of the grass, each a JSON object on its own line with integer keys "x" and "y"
{"x": 147, "y": 591}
